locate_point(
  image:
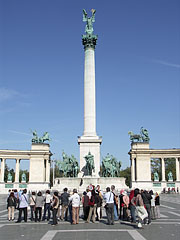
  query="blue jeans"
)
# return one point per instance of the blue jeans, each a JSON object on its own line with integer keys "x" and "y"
{"x": 47, "y": 208}
{"x": 115, "y": 213}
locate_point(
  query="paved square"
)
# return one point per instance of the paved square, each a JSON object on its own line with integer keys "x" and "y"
{"x": 165, "y": 228}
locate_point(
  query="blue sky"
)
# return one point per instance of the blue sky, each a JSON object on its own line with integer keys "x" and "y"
{"x": 137, "y": 73}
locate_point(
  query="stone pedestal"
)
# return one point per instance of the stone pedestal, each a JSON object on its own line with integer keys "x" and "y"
{"x": 90, "y": 145}
{"x": 82, "y": 183}
{"x": 39, "y": 169}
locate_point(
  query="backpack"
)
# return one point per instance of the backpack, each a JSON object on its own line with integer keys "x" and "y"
{"x": 91, "y": 201}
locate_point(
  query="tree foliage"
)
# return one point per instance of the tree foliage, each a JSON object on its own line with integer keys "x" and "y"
{"x": 156, "y": 166}
{"x": 127, "y": 174}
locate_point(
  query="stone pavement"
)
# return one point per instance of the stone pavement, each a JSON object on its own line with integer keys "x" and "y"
{"x": 166, "y": 228}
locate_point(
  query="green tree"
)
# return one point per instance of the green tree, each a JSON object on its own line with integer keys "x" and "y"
{"x": 27, "y": 175}
{"x": 57, "y": 174}
{"x": 127, "y": 174}
{"x": 156, "y": 167}
{"x": 170, "y": 165}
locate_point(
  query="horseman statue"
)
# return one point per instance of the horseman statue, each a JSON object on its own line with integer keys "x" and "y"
{"x": 110, "y": 166}
{"x": 89, "y": 164}
{"x": 69, "y": 166}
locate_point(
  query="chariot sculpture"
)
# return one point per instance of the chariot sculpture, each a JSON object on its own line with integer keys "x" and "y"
{"x": 42, "y": 139}
{"x": 142, "y": 137}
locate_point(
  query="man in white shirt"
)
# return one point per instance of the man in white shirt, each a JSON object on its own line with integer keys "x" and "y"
{"x": 23, "y": 205}
{"x": 109, "y": 199}
{"x": 75, "y": 198}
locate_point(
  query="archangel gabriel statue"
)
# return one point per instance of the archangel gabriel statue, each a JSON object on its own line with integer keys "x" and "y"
{"x": 89, "y": 21}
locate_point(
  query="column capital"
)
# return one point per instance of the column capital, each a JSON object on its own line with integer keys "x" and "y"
{"x": 89, "y": 41}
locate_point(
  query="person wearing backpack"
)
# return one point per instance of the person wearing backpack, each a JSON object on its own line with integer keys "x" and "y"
{"x": 23, "y": 205}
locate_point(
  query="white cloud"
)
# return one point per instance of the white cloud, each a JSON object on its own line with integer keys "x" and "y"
{"x": 22, "y": 133}
{"x": 167, "y": 63}
{"x": 6, "y": 94}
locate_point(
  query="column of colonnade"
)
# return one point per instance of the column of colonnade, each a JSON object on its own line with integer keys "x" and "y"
{"x": 132, "y": 170}
{"x": 2, "y": 169}
{"x": 163, "y": 169}
{"x": 177, "y": 169}
{"x": 17, "y": 170}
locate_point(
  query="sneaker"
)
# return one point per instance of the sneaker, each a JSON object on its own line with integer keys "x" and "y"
{"x": 139, "y": 225}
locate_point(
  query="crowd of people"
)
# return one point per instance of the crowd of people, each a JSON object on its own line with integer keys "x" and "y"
{"x": 137, "y": 206}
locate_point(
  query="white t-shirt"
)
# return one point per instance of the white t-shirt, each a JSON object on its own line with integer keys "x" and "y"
{"x": 75, "y": 198}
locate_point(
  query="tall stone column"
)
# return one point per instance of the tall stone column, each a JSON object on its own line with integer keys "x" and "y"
{"x": 17, "y": 171}
{"x": 47, "y": 170}
{"x": 177, "y": 170}
{"x": 2, "y": 169}
{"x": 132, "y": 170}
{"x": 89, "y": 142}
{"x": 163, "y": 169}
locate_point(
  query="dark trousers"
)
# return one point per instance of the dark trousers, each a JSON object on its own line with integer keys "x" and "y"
{"x": 86, "y": 212}
{"x": 32, "y": 212}
{"x": 133, "y": 215}
{"x": 148, "y": 209}
{"x": 54, "y": 216}
{"x": 110, "y": 213}
{"x": 38, "y": 211}
{"x": 24, "y": 210}
{"x": 47, "y": 208}
{"x": 70, "y": 212}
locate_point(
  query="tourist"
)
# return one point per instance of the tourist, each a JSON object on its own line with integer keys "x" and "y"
{"x": 126, "y": 214}
{"x": 47, "y": 205}
{"x": 157, "y": 205}
{"x": 132, "y": 207}
{"x": 137, "y": 201}
{"x": 115, "y": 202}
{"x": 75, "y": 198}
{"x": 55, "y": 205}
{"x": 92, "y": 207}
{"x": 70, "y": 208}
{"x": 85, "y": 202}
{"x": 11, "y": 204}
{"x": 101, "y": 196}
{"x": 153, "y": 214}
{"x": 109, "y": 199}
{"x": 98, "y": 202}
{"x": 121, "y": 203}
{"x": 32, "y": 204}
{"x": 38, "y": 206}
{"x": 146, "y": 196}
{"x": 64, "y": 204}
{"x": 23, "y": 204}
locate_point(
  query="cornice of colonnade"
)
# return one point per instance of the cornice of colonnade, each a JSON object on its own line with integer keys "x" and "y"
{"x": 22, "y": 154}
{"x": 159, "y": 153}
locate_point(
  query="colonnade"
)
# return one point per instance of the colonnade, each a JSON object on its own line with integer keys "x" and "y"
{"x": 17, "y": 169}
{"x": 134, "y": 176}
